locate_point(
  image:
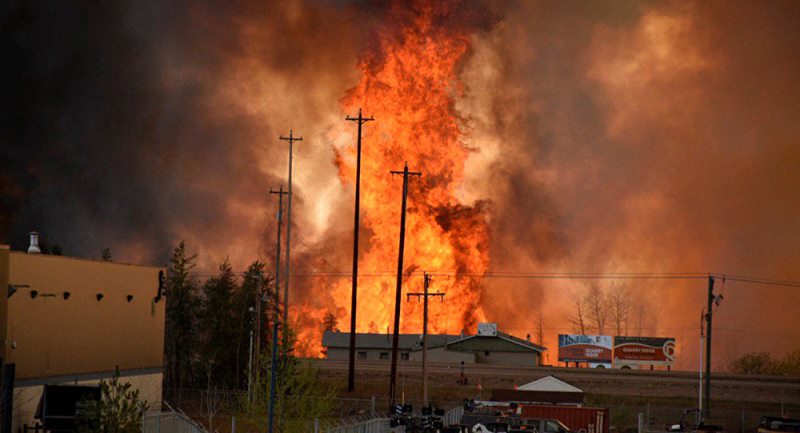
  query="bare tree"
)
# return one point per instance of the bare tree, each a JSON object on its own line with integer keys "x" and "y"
{"x": 619, "y": 305}
{"x": 578, "y": 316}
{"x": 211, "y": 402}
{"x": 597, "y": 308}
{"x": 541, "y": 330}
{"x": 641, "y": 317}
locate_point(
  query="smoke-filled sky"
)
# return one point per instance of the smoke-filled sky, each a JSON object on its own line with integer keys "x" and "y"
{"x": 605, "y": 137}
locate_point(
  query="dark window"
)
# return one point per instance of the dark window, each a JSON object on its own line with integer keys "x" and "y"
{"x": 384, "y": 355}
{"x": 362, "y": 355}
{"x": 404, "y": 356}
{"x": 486, "y": 353}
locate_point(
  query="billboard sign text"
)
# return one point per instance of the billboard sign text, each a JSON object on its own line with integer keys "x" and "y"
{"x": 584, "y": 348}
{"x": 644, "y": 350}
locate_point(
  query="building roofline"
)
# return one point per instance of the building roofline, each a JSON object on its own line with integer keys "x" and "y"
{"x": 505, "y": 337}
{"x": 85, "y": 260}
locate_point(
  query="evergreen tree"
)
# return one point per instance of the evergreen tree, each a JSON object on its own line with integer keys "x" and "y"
{"x": 182, "y": 309}
{"x": 254, "y": 290}
{"x": 257, "y": 281}
{"x": 220, "y": 325}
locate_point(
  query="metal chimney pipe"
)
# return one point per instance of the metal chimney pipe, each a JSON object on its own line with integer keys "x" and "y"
{"x": 34, "y": 247}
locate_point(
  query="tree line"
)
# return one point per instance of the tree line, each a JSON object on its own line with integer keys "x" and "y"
{"x": 601, "y": 310}
{"x": 218, "y": 330}
{"x": 208, "y": 325}
{"x": 765, "y": 364}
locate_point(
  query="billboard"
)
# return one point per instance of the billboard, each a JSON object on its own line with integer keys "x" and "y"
{"x": 584, "y": 348}
{"x": 644, "y": 350}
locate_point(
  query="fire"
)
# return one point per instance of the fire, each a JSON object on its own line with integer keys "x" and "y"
{"x": 409, "y": 84}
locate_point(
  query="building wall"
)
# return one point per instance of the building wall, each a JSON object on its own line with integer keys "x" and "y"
{"x": 54, "y": 336}
{"x": 439, "y": 354}
{"x": 28, "y": 393}
{"x": 337, "y": 353}
{"x": 371, "y": 354}
{"x": 508, "y": 358}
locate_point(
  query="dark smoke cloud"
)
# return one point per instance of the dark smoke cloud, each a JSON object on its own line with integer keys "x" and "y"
{"x": 609, "y": 136}
{"x": 134, "y": 126}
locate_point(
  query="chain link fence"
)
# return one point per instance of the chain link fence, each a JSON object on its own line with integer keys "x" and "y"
{"x": 169, "y": 422}
{"x": 656, "y": 419}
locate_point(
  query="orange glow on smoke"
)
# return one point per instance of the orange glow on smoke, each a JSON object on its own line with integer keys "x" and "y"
{"x": 409, "y": 84}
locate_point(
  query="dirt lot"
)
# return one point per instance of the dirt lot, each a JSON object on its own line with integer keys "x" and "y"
{"x": 737, "y": 401}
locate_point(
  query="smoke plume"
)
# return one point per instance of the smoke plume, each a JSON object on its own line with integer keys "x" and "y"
{"x": 598, "y": 137}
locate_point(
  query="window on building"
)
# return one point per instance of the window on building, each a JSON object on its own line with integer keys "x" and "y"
{"x": 362, "y": 355}
{"x": 384, "y": 355}
{"x": 404, "y": 356}
{"x": 486, "y": 353}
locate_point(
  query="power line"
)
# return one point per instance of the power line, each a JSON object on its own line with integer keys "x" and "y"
{"x": 553, "y": 275}
{"x": 768, "y": 282}
{"x": 670, "y": 328}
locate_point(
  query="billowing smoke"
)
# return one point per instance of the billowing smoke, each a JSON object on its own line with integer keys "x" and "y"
{"x": 618, "y": 137}
{"x": 644, "y": 138}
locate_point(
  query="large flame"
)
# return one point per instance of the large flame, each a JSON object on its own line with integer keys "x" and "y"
{"x": 408, "y": 84}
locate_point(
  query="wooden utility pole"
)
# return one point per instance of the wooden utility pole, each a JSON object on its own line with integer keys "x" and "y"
{"x": 353, "y": 303}
{"x": 399, "y": 290}
{"x": 700, "y": 386}
{"x": 273, "y": 370}
{"x": 425, "y": 295}
{"x": 711, "y": 299}
{"x": 291, "y": 139}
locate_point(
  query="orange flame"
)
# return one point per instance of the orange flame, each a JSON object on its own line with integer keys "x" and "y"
{"x": 409, "y": 84}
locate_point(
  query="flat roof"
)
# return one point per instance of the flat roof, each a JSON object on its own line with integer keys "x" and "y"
{"x": 80, "y": 259}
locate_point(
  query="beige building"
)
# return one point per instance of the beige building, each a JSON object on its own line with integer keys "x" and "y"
{"x": 487, "y": 346}
{"x": 74, "y": 321}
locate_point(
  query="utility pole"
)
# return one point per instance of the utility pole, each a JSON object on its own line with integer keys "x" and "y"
{"x": 425, "y": 295}
{"x": 398, "y": 292}
{"x": 700, "y": 386}
{"x": 707, "y": 409}
{"x": 351, "y": 372}
{"x": 273, "y": 370}
{"x": 291, "y": 139}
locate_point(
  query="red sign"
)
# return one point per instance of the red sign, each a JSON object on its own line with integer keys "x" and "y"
{"x": 644, "y": 350}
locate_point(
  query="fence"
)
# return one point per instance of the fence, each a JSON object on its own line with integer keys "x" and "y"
{"x": 169, "y": 422}
{"x": 374, "y": 425}
{"x": 655, "y": 419}
{"x": 453, "y": 416}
